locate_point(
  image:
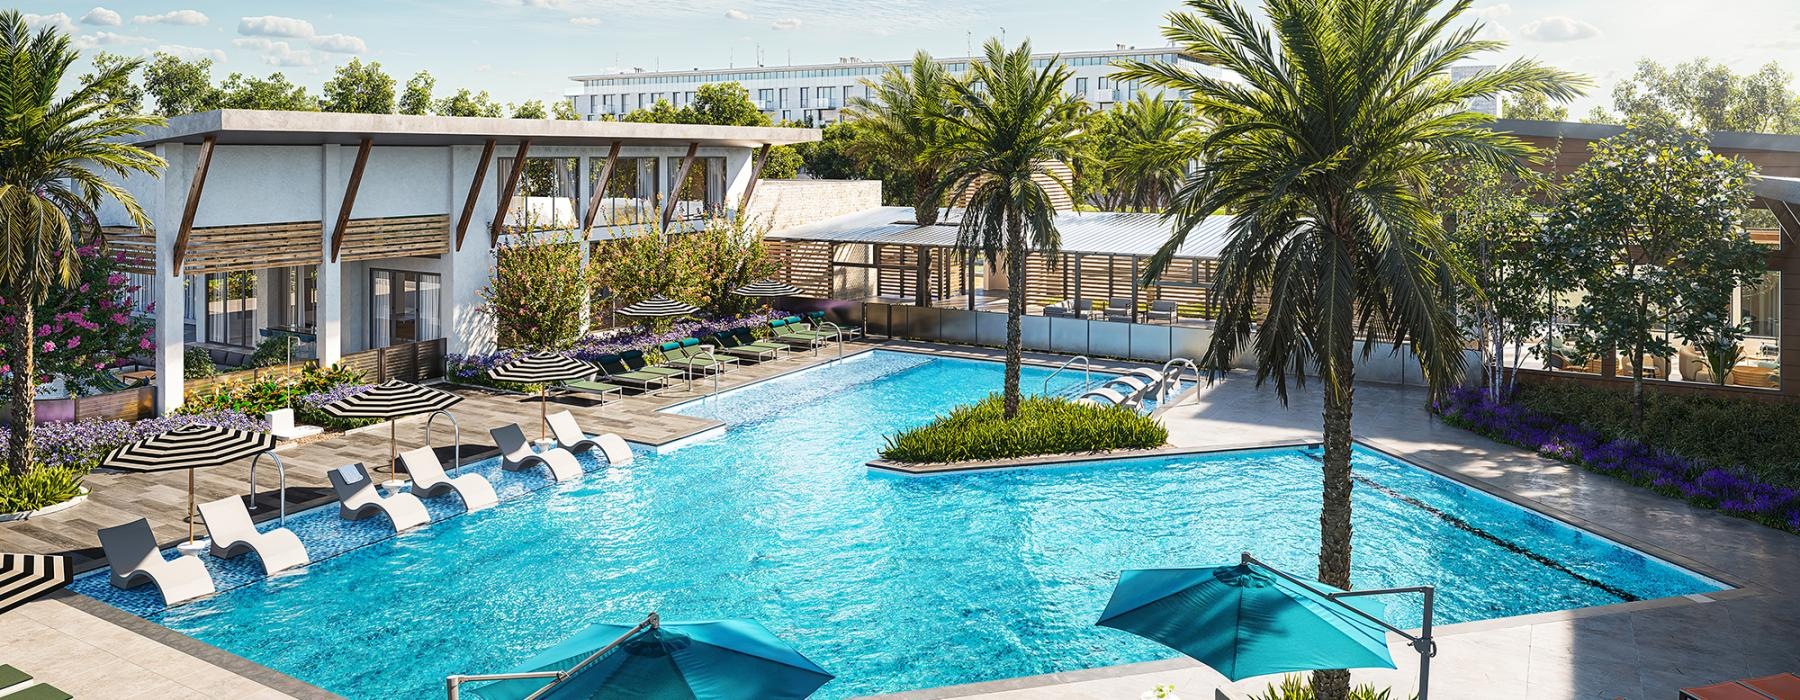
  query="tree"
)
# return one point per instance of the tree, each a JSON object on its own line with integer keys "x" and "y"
{"x": 829, "y": 158}
{"x": 897, "y": 128}
{"x": 51, "y": 184}
{"x": 240, "y": 91}
{"x": 359, "y": 87}
{"x": 180, "y": 87}
{"x": 529, "y": 109}
{"x": 85, "y": 324}
{"x": 1534, "y": 107}
{"x": 1144, "y": 148}
{"x": 1709, "y": 96}
{"x": 730, "y": 253}
{"x": 538, "y": 289}
{"x": 1491, "y": 216}
{"x": 124, "y": 97}
{"x": 1321, "y": 152}
{"x": 663, "y": 112}
{"x": 564, "y": 110}
{"x": 1007, "y": 125}
{"x": 467, "y": 104}
{"x": 417, "y": 98}
{"x": 1651, "y": 226}
{"x": 724, "y": 104}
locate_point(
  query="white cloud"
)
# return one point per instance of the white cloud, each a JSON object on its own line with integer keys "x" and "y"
{"x": 102, "y": 17}
{"x": 1492, "y": 12}
{"x": 738, "y": 15}
{"x": 186, "y": 18}
{"x": 276, "y": 53}
{"x": 785, "y": 24}
{"x": 272, "y": 25}
{"x": 192, "y": 52}
{"x": 546, "y": 4}
{"x": 110, "y": 39}
{"x": 585, "y": 21}
{"x": 59, "y": 20}
{"x": 339, "y": 43}
{"x": 1558, "y": 28}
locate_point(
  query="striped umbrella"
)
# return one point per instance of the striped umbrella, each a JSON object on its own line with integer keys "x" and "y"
{"x": 543, "y": 369}
{"x": 27, "y": 576}
{"x": 188, "y": 447}
{"x": 767, "y": 288}
{"x": 659, "y": 305}
{"x": 388, "y": 401}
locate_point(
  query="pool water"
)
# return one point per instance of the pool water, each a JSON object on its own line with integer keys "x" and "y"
{"x": 891, "y": 583}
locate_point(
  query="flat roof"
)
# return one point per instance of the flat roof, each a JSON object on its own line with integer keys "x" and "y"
{"x": 700, "y": 72}
{"x": 1582, "y": 131}
{"x": 1087, "y": 233}
{"x": 260, "y": 127}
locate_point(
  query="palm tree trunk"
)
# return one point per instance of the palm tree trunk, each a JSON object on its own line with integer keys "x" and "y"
{"x": 925, "y": 206}
{"x": 1015, "y": 307}
{"x": 22, "y": 384}
{"x": 1334, "y": 511}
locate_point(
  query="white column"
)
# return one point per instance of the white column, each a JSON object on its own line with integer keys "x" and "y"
{"x": 739, "y": 164}
{"x": 331, "y": 293}
{"x": 169, "y": 293}
{"x": 467, "y": 329}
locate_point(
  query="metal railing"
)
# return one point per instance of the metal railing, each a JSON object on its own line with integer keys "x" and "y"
{"x": 1087, "y": 372}
{"x": 1176, "y": 382}
{"x": 456, "y": 437}
{"x": 281, "y": 494}
{"x": 837, "y": 333}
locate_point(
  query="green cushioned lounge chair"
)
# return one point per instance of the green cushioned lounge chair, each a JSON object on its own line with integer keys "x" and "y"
{"x": 729, "y": 344}
{"x": 635, "y": 361}
{"x": 41, "y": 691}
{"x": 617, "y": 372}
{"x": 689, "y": 355}
{"x": 747, "y": 338}
{"x": 816, "y": 318}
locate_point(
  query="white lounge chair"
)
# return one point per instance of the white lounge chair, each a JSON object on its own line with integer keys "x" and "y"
{"x": 1105, "y": 397}
{"x": 131, "y": 551}
{"x": 429, "y": 479}
{"x": 357, "y": 499}
{"x": 569, "y": 436}
{"x": 281, "y": 425}
{"x": 516, "y": 454}
{"x": 233, "y": 533}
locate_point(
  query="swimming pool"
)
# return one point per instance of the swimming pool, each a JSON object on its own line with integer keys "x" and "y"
{"x": 891, "y": 583}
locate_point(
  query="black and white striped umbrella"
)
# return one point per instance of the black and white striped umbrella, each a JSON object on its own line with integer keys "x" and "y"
{"x": 24, "y": 577}
{"x": 659, "y": 305}
{"x": 541, "y": 368}
{"x": 392, "y": 399}
{"x": 767, "y": 288}
{"x": 188, "y": 447}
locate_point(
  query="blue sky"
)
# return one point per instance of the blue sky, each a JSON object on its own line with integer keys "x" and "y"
{"x": 526, "y": 49}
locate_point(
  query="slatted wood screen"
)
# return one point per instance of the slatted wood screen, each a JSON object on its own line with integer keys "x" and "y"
{"x": 396, "y": 237}
{"x": 895, "y": 277}
{"x": 253, "y": 247}
{"x": 138, "y": 246}
{"x": 804, "y": 264}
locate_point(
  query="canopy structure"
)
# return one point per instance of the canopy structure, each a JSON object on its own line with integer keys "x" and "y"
{"x": 542, "y": 369}
{"x": 24, "y": 577}
{"x": 188, "y": 447}
{"x": 659, "y": 306}
{"x": 390, "y": 400}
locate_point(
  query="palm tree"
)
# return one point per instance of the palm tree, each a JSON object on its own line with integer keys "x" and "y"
{"x": 53, "y": 152}
{"x": 896, "y": 127}
{"x": 1146, "y": 146}
{"x": 1322, "y": 152}
{"x": 1010, "y": 123}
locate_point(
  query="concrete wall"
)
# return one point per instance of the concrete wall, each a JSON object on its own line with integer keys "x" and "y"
{"x": 258, "y": 185}
{"x": 784, "y": 204}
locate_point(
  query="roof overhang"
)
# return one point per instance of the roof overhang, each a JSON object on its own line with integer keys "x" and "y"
{"x": 274, "y": 128}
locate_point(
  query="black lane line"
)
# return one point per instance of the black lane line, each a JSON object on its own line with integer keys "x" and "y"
{"x": 1476, "y": 530}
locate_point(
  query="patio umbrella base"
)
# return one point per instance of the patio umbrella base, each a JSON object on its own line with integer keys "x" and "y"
{"x": 394, "y": 484}
{"x": 194, "y": 548}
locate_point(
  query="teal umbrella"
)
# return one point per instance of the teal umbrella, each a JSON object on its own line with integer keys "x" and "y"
{"x": 712, "y": 660}
{"x": 1251, "y": 619}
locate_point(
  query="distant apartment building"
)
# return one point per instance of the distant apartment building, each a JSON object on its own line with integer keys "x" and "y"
{"x": 817, "y": 93}
{"x": 1485, "y": 105}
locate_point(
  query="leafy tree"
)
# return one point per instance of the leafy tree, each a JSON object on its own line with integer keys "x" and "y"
{"x": 663, "y": 112}
{"x": 537, "y": 290}
{"x": 51, "y": 183}
{"x": 564, "y": 110}
{"x": 830, "y": 158}
{"x": 724, "y": 104}
{"x": 730, "y": 253}
{"x": 179, "y": 86}
{"x": 124, "y": 97}
{"x": 1709, "y": 96}
{"x": 529, "y": 109}
{"x": 467, "y": 104}
{"x": 416, "y": 100}
{"x": 1535, "y": 107}
{"x": 1320, "y": 151}
{"x": 359, "y": 87}
{"x": 898, "y": 128}
{"x": 1651, "y": 227}
{"x": 1008, "y": 124}
{"x": 84, "y": 325}
{"x": 1144, "y": 148}
{"x": 240, "y": 91}
{"x": 1491, "y": 216}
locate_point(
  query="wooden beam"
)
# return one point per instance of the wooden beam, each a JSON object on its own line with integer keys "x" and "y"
{"x": 506, "y": 195}
{"x": 195, "y": 187}
{"x": 593, "y": 210}
{"x": 762, "y": 159}
{"x": 468, "y": 212}
{"x": 687, "y": 162}
{"x": 343, "y": 217}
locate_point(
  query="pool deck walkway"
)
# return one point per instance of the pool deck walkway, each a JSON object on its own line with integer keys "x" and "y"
{"x": 1637, "y": 650}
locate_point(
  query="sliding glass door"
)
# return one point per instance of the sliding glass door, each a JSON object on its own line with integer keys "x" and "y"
{"x": 403, "y": 307}
{"x": 231, "y": 308}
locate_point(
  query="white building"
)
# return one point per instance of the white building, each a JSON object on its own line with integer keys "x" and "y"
{"x": 816, "y": 93}
{"x": 351, "y": 232}
{"x": 1484, "y": 105}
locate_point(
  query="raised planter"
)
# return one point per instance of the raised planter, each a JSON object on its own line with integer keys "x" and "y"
{"x": 46, "y": 510}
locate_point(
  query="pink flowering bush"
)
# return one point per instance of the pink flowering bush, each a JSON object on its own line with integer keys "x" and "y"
{"x": 85, "y": 328}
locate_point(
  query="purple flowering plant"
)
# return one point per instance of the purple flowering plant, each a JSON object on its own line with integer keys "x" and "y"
{"x": 81, "y": 444}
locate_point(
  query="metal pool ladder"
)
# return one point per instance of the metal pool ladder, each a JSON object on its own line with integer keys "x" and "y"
{"x": 1087, "y": 372}
{"x": 1176, "y": 382}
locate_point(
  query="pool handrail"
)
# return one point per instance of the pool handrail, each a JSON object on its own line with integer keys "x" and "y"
{"x": 280, "y": 469}
{"x": 456, "y": 435}
{"x": 1087, "y": 372}
{"x": 1175, "y": 383}
{"x": 837, "y": 333}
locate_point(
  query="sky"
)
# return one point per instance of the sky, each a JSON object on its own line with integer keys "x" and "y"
{"x": 526, "y": 49}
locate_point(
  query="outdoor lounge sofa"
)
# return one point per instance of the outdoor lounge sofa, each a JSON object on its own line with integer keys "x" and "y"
{"x": 234, "y": 533}
{"x": 131, "y": 551}
{"x": 358, "y": 499}
{"x": 516, "y": 454}
{"x": 571, "y": 437}
{"x": 429, "y": 480}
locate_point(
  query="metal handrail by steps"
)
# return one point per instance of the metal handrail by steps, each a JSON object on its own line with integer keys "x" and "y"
{"x": 1087, "y": 372}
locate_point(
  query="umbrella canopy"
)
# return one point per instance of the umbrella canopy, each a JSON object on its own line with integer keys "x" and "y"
{"x": 188, "y": 447}
{"x": 1245, "y": 621}
{"x": 27, "y": 576}
{"x": 767, "y": 288}
{"x": 714, "y": 660}
{"x": 541, "y": 368}
{"x": 659, "y": 305}
{"x": 392, "y": 399}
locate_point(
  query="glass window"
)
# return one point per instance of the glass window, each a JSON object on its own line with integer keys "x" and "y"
{"x": 630, "y": 192}
{"x": 1759, "y": 305}
{"x": 1081, "y": 86}
{"x": 703, "y": 191}
{"x": 547, "y": 196}
{"x": 231, "y": 308}
{"x": 403, "y": 307}
{"x": 294, "y": 298}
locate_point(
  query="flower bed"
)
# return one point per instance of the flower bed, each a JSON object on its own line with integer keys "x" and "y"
{"x": 1731, "y": 490}
{"x": 1044, "y": 426}
{"x": 66, "y": 452}
{"x": 473, "y": 369}
{"x": 305, "y": 394}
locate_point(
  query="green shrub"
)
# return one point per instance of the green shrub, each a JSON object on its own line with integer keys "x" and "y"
{"x": 1044, "y": 426}
{"x": 1297, "y": 688}
{"x": 1724, "y": 432}
{"x": 197, "y": 364}
{"x": 271, "y": 351}
{"x": 259, "y": 396}
{"x": 38, "y": 488}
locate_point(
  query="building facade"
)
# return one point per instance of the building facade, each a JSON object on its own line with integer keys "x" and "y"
{"x": 817, "y": 93}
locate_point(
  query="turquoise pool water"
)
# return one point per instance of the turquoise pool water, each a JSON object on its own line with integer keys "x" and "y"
{"x": 891, "y": 583}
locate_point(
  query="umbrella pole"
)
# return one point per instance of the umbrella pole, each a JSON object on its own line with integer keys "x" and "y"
{"x": 544, "y": 413}
{"x": 393, "y": 456}
{"x": 190, "y": 506}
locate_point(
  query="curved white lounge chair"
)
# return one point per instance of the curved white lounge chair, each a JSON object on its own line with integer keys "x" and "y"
{"x": 1104, "y": 397}
{"x": 570, "y": 436}
{"x": 516, "y": 454}
{"x": 131, "y": 551}
{"x": 429, "y": 479}
{"x": 357, "y": 499}
{"x": 233, "y": 533}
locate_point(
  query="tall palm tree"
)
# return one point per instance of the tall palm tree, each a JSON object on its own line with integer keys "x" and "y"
{"x": 896, "y": 127}
{"x": 53, "y": 153}
{"x": 1147, "y": 144}
{"x": 1010, "y": 123}
{"x": 1322, "y": 152}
